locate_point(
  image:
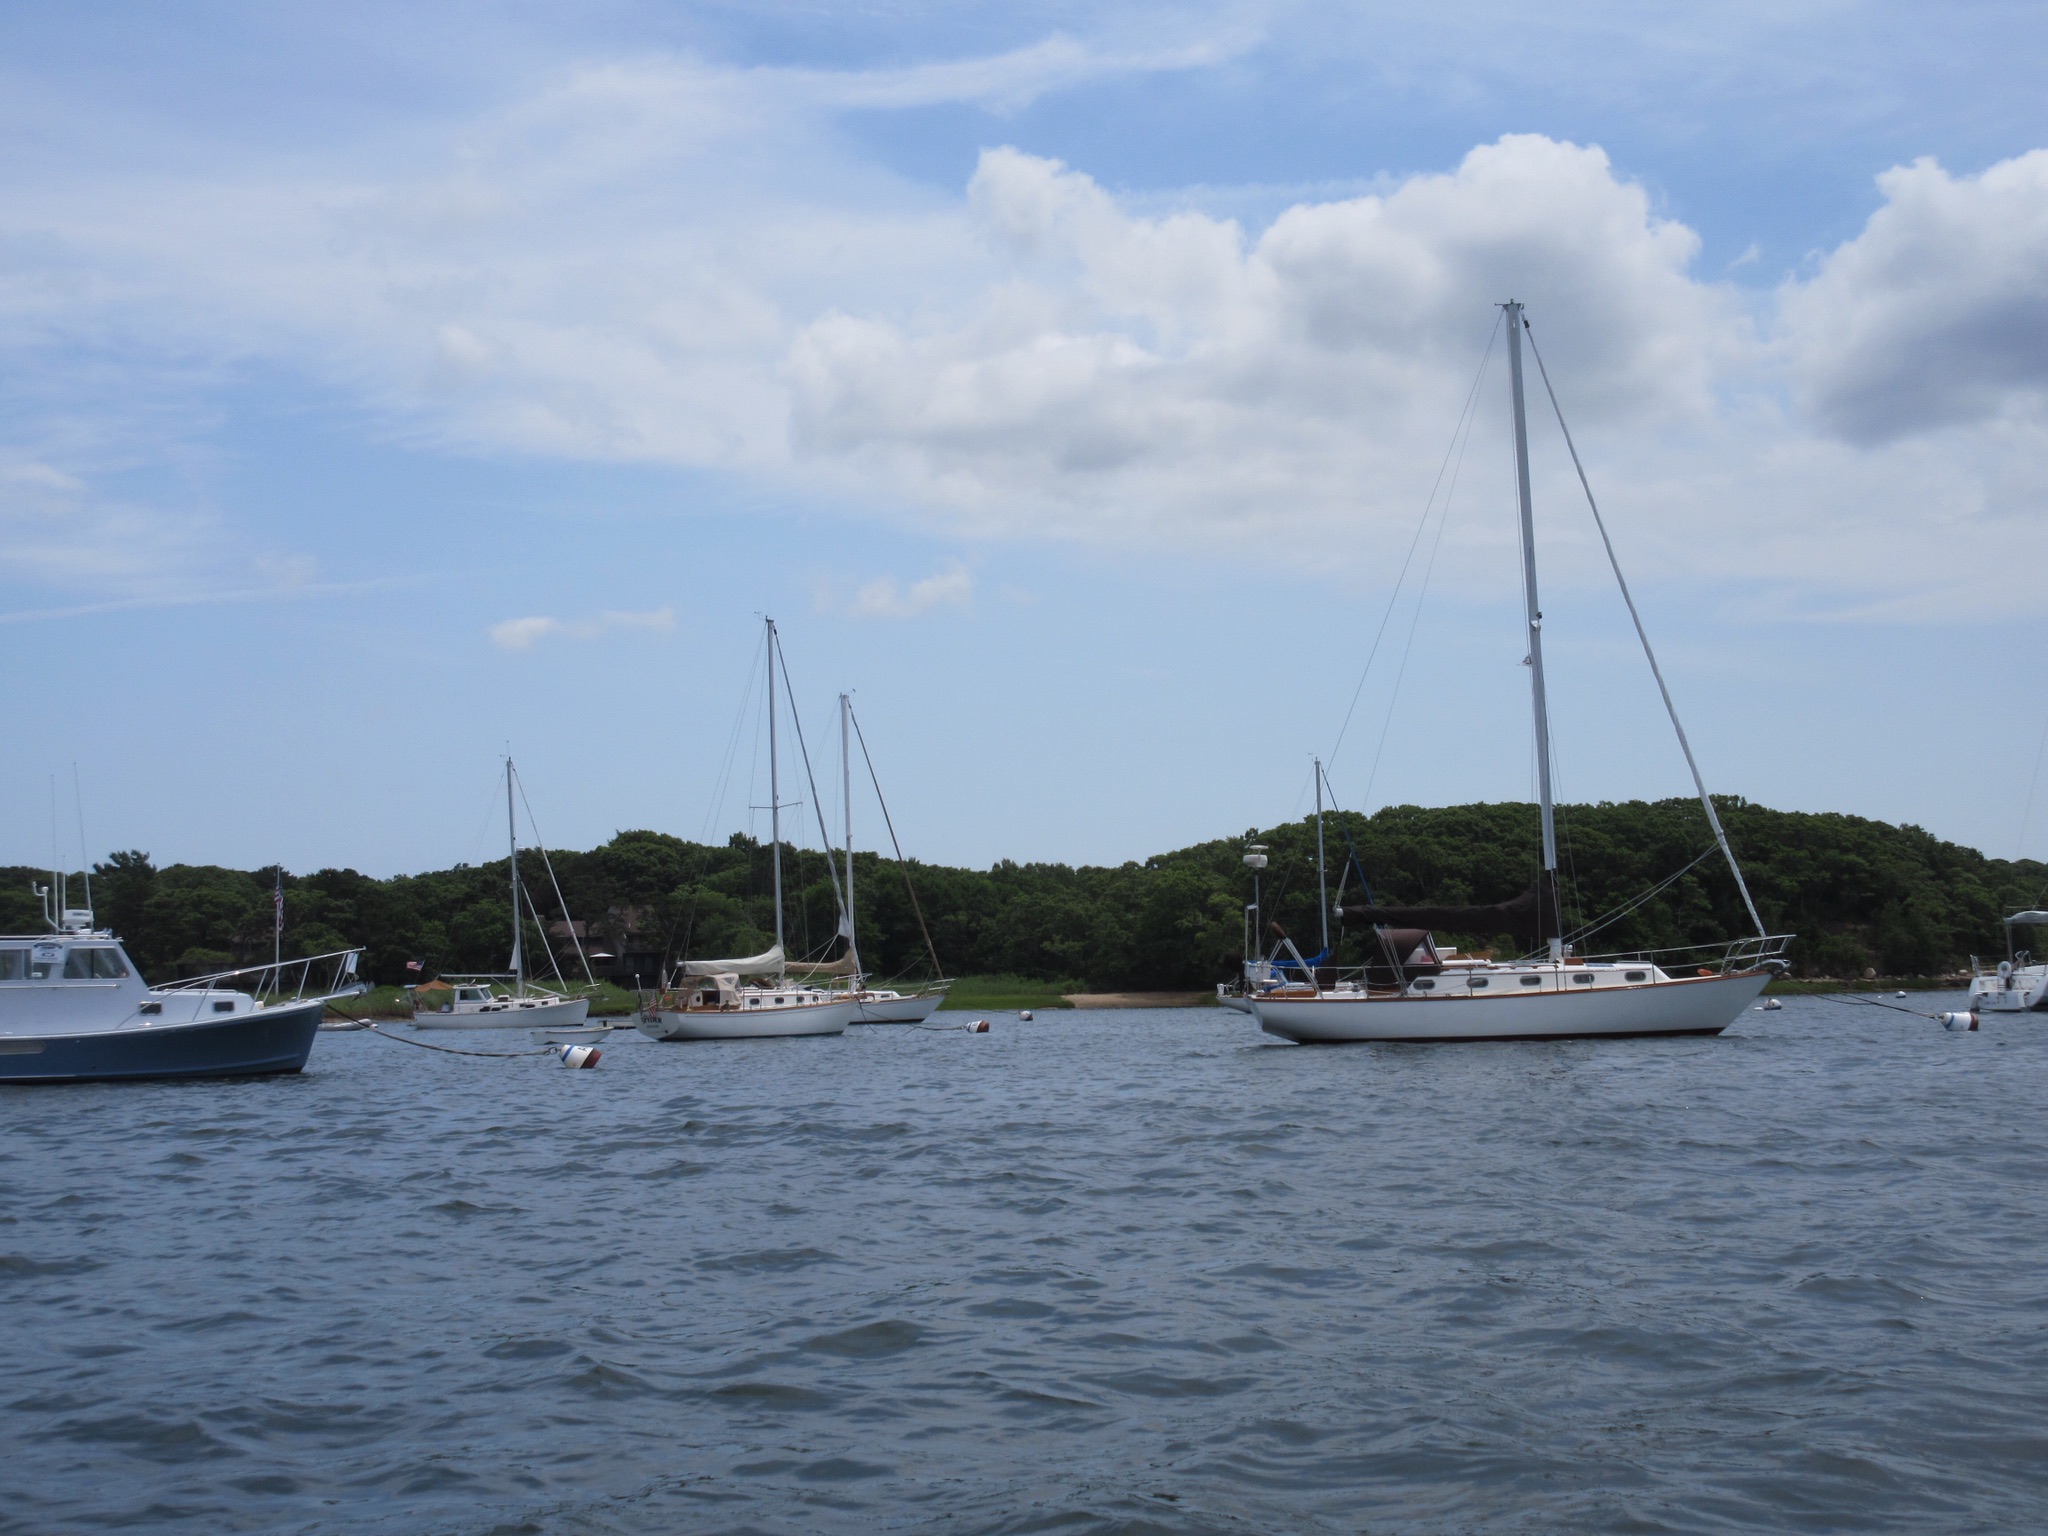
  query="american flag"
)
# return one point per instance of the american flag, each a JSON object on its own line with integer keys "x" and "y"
{"x": 412, "y": 965}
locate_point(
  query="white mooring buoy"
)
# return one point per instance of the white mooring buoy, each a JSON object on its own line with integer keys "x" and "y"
{"x": 1024, "y": 1015}
{"x": 577, "y": 1055}
{"x": 978, "y": 1027}
{"x": 1955, "y": 1021}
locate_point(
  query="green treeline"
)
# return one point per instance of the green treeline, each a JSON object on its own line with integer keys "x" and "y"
{"x": 1860, "y": 895}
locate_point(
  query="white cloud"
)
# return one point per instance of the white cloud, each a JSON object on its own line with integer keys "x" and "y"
{"x": 1937, "y": 313}
{"x": 524, "y": 634}
{"x": 662, "y": 260}
{"x": 883, "y": 598}
{"x": 1136, "y": 374}
{"x": 60, "y": 532}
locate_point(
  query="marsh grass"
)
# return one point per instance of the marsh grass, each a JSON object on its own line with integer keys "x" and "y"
{"x": 1006, "y": 992}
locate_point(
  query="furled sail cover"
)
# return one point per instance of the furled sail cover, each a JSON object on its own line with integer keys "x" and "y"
{"x": 1521, "y": 917}
{"x": 2029, "y": 917}
{"x": 843, "y": 966}
{"x": 753, "y": 965}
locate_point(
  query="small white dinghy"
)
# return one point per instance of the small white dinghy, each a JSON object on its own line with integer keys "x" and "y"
{"x": 575, "y": 1034}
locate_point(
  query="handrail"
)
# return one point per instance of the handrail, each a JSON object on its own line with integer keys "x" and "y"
{"x": 1740, "y": 954}
{"x": 271, "y": 977}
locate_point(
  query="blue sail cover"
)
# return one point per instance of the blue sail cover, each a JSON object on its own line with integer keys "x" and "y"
{"x": 1309, "y": 964}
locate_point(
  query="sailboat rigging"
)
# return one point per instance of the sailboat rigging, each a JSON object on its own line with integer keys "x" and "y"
{"x": 1410, "y": 990}
{"x": 881, "y": 1005}
{"x": 477, "y": 1003}
{"x": 725, "y": 999}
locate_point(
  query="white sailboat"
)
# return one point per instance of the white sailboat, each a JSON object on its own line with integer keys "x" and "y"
{"x": 477, "y": 1003}
{"x": 1412, "y": 991}
{"x": 878, "y": 1005}
{"x": 718, "y": 999}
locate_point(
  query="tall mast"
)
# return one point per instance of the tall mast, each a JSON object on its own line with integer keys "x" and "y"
{"x": 846, "y": 792}
{"x": 1546, "y": 894}
{"x": 512, "y": 837}
{"x": 774, "y": 787}
{"x": 1322, "y": 873}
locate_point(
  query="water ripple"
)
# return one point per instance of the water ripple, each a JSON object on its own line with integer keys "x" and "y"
{"x": 1101, "y": 1273}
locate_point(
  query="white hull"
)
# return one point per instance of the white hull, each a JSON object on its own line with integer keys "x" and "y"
{"x": 748, "y": 1023}
{"x": 1235, "y": 1000}
{"x": 1691, "y": 1006}
{"x": 511, "y": 1013}
{"x": 2024, "y": 990}
{"x": 912, "y": 1009}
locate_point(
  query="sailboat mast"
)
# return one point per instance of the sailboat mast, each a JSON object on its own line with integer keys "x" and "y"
{"x": 512, "y": 838}
{"x": 846, "y": 800}
{"x": 1546, "y": 897}
{"x": 1322, "y": 871}
{"x": 774, "y": 788}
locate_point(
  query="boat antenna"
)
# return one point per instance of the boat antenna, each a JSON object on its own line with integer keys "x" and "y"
{"x": 1547, "y": 915}
{"x": 57, "y": 882}
{"x": 1671, "y": 709}
{"x": 84, "y": 858}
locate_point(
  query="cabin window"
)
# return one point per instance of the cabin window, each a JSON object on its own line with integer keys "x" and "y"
{"x": 39, "y": 968}
{"x": 1637, "y": 976}
{"x": 1582, "y": 980}
{"x": 94, "y": 964}
{"x": 151, "y": 1009}
{"x": 225, "y": 1005}
{"x": 1475, "y": 981}
{"x": 1532, "y": 981}
{"x": 13, "y": 964}
{"x": 1425, "y": 985}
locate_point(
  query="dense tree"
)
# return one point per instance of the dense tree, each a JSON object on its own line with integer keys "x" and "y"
{"x": 1859, "y": 895}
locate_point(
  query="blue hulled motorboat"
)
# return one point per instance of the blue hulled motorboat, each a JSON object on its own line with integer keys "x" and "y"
{"x": 73, "y": 1009}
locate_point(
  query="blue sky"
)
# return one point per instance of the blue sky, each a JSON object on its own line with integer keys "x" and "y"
{"x": 1069, "y": 381}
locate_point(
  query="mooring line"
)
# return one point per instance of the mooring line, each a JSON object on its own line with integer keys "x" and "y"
{"x": 1871, "y": 1002}
{"x": 452, "y": 1050}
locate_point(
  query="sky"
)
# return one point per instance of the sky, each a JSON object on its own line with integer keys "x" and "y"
{"x": 1109, "y": 397}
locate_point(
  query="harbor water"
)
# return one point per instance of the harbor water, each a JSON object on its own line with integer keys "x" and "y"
{"x": 1102, "y": 1272}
